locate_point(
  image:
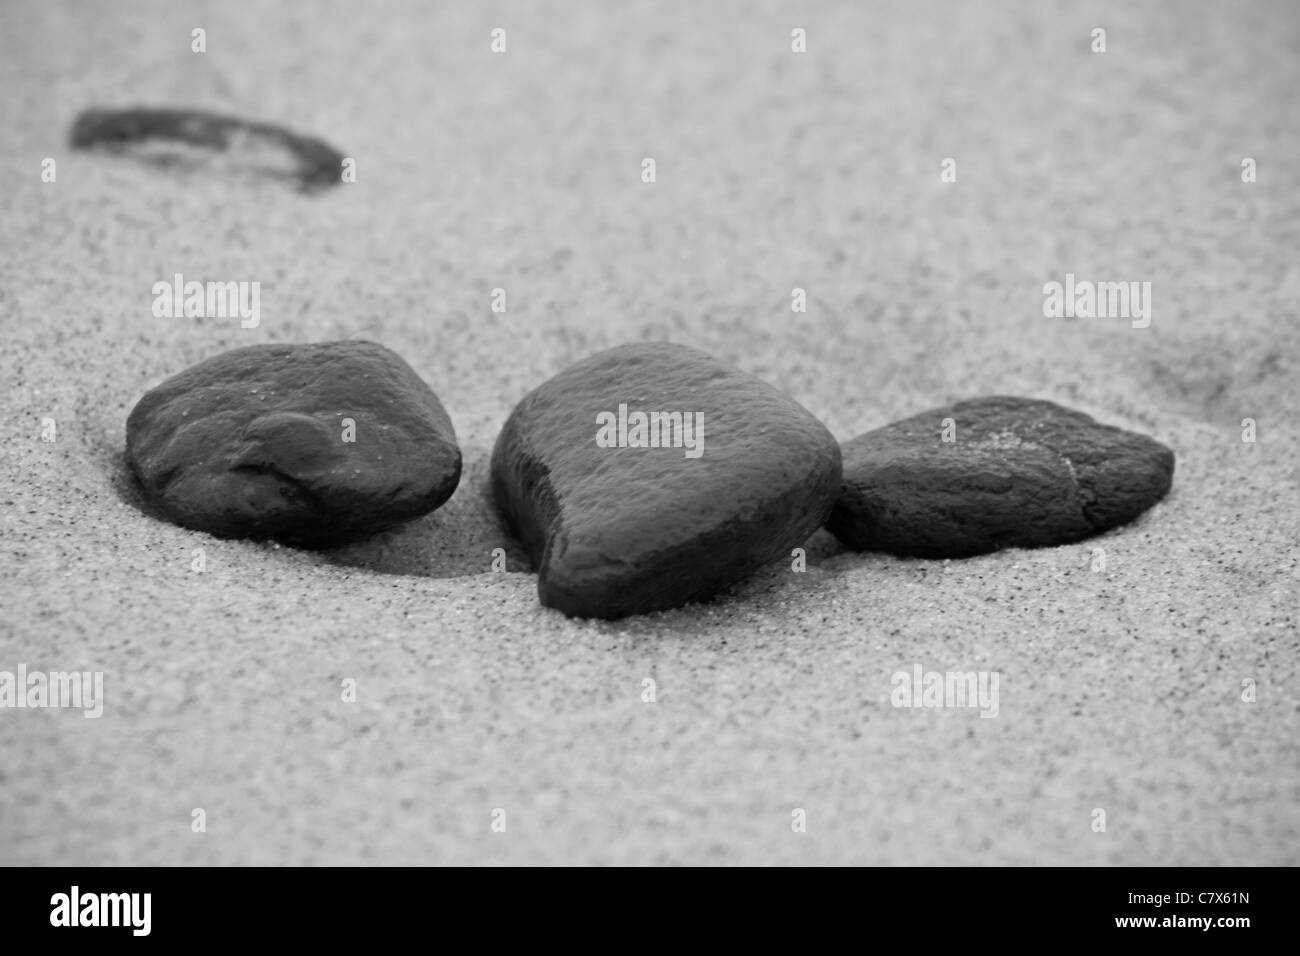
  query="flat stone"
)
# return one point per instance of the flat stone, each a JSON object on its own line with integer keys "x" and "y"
{"x": 625, "y": 530}
{"x": 162, "y": 137}
{"x": 1021, "y": 473}
{"x": 252, "y": 444}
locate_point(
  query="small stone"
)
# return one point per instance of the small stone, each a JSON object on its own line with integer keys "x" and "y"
{"x": 215, "y": 458}
{"x": 616, "y": 526}
{"x": 1018, "y": 473}
{"x": 160, "y": 136}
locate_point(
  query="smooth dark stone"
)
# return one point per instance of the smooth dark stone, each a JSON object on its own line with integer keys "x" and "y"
{"x": 250, "y": 444}
{"x": 1021, "y": 473}
{"x": 627, "y": 530}
{"x": 308, "y": 163}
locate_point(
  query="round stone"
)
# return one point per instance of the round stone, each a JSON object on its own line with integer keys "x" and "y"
{"x": 310, "y": 444}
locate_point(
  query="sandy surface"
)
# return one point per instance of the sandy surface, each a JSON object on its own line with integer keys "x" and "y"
{"x": 1120, "y": 689}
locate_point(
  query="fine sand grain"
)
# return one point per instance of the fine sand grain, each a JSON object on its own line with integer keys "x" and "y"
{"x": 1120, "y": 688}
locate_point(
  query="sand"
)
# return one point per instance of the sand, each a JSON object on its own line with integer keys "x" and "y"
{"x": 1121, "y": 687}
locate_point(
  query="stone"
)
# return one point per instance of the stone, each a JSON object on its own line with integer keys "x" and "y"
{"x": 1017, "y": 473}
{"x": 161, "y": 136}
{"x": 313, "y": 445}
{"x": 625, "y": 508}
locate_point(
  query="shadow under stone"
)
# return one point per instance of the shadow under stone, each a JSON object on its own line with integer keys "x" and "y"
{"x": 457, "y": 540}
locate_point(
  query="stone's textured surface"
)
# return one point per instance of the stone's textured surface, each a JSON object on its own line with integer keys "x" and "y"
{"x": 272, "y": 150}
{"x": 251, "y": 444}
{"x": 1020, "y": 473}
{"x": 625, "y": 530}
